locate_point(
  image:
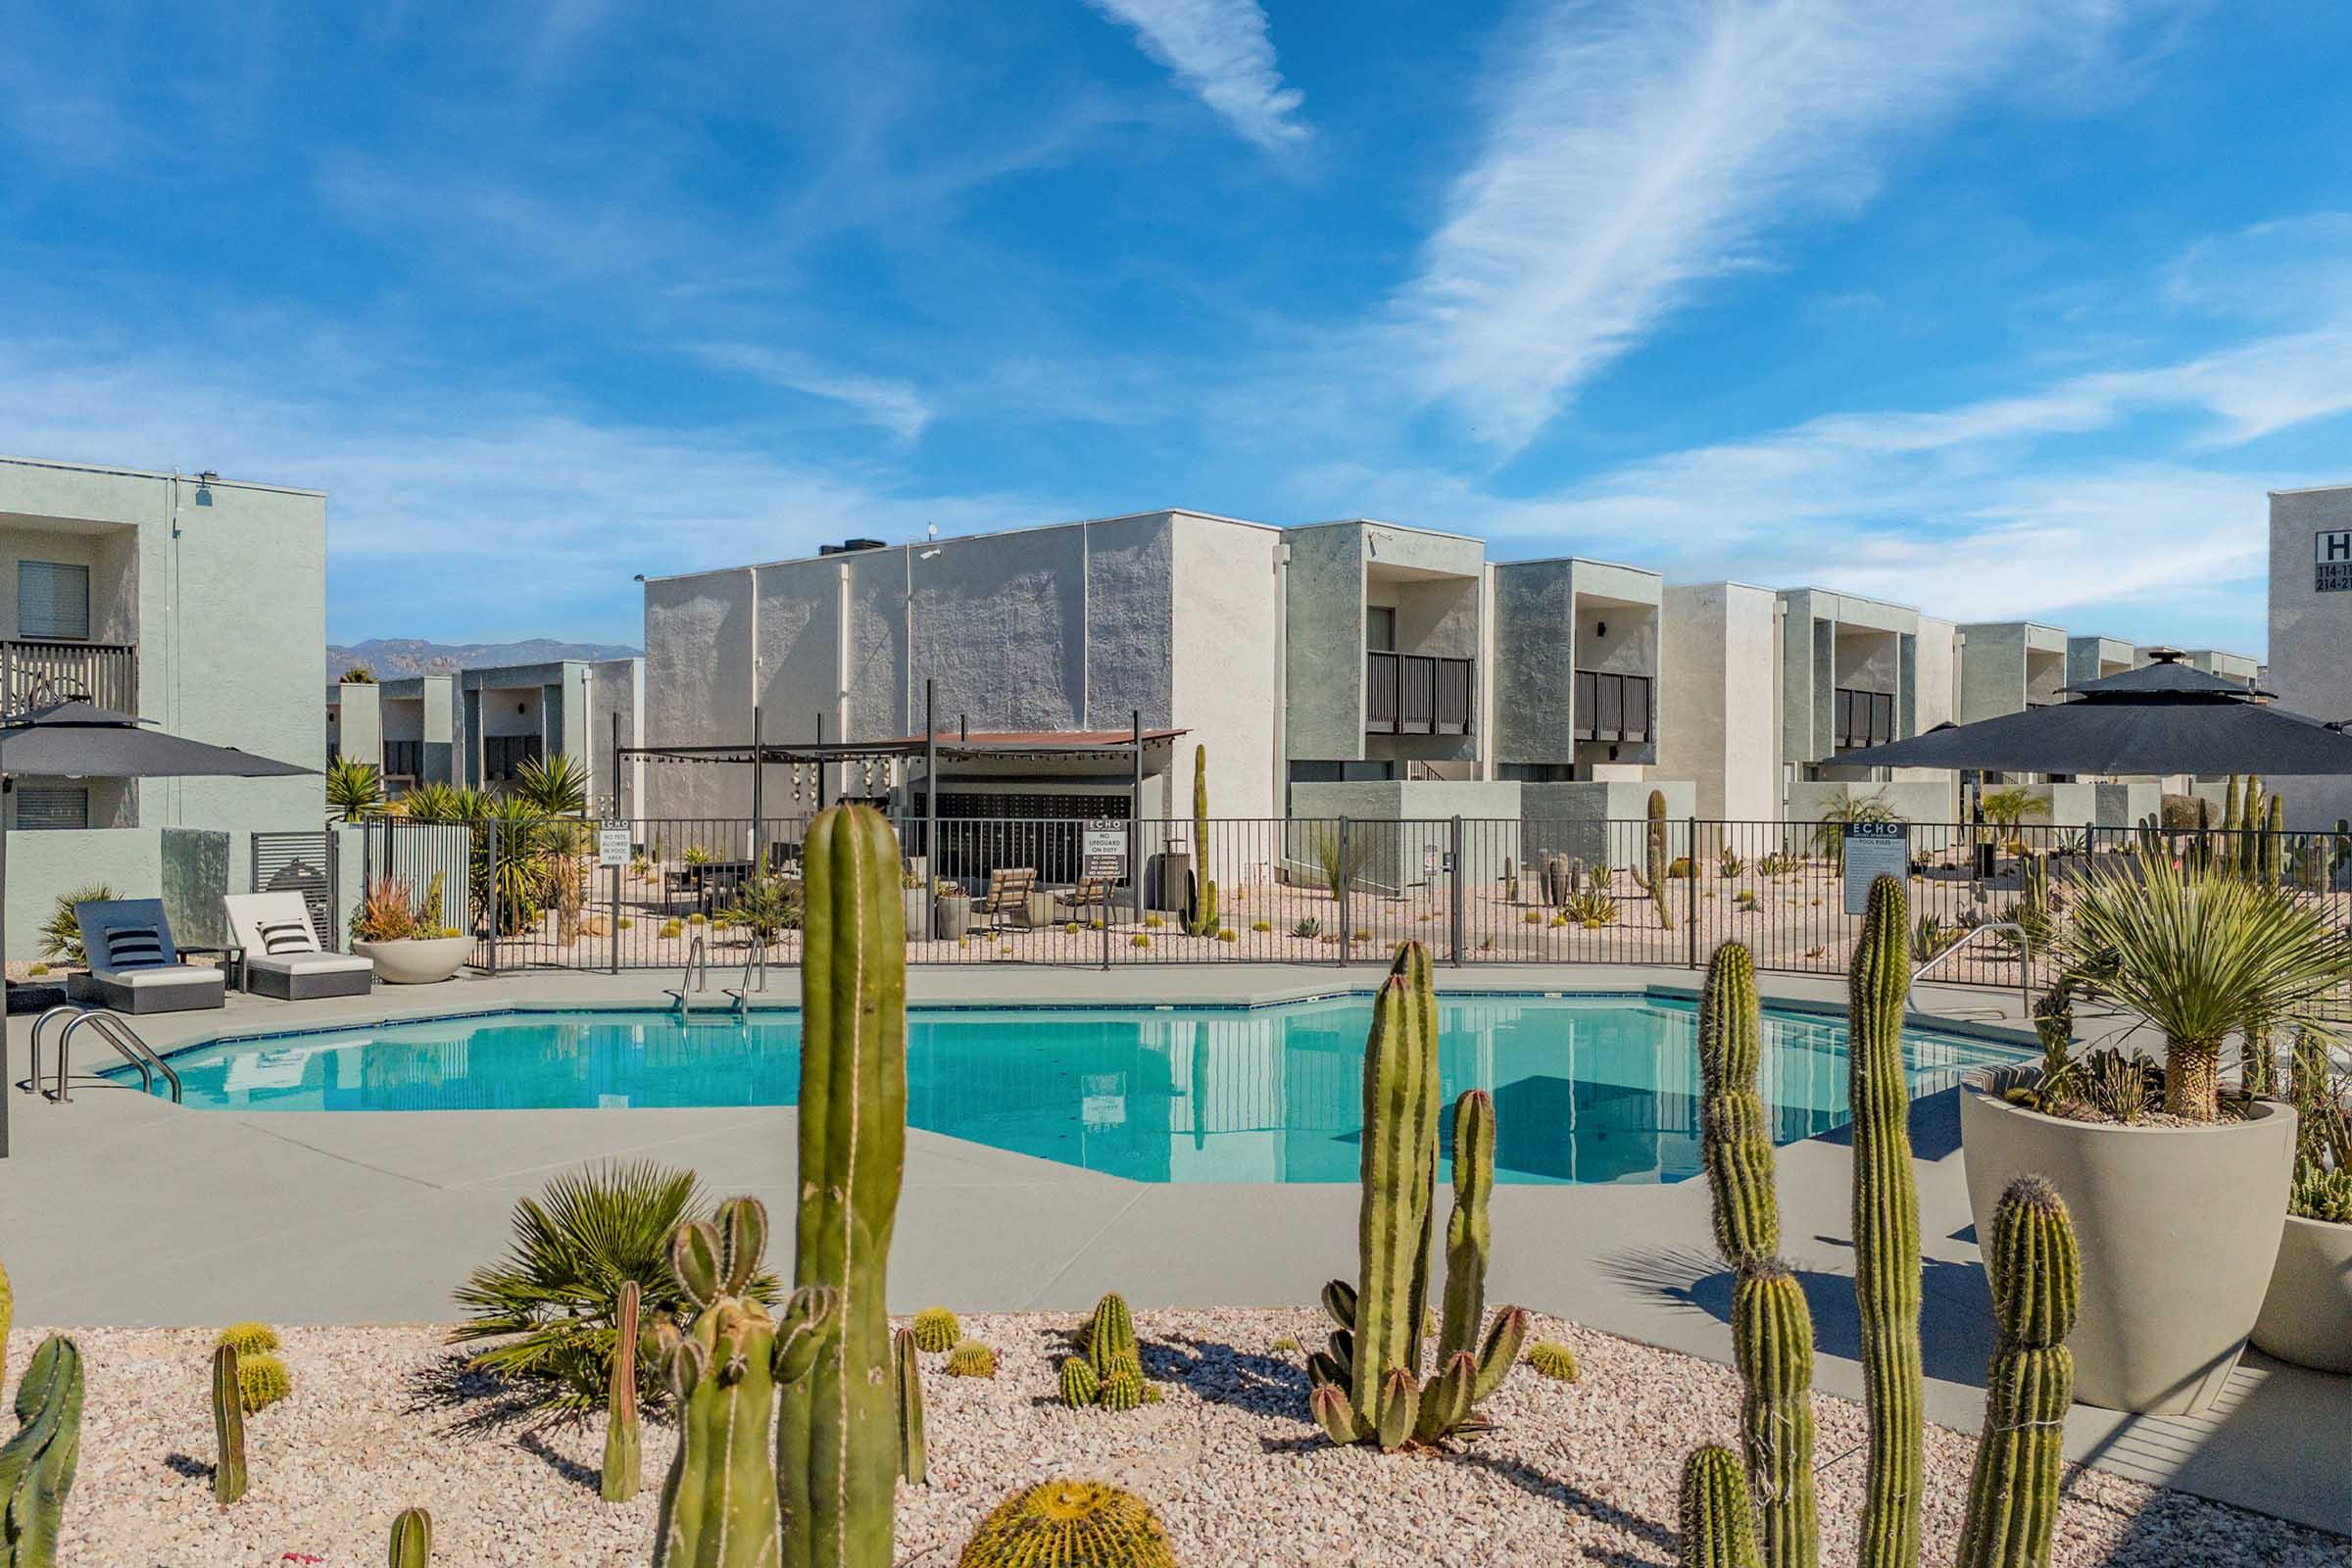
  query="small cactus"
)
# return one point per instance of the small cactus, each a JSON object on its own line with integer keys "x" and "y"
{"x": 249, "y": 1339}
{"x": 411, "y": 1540}
{"x": 2035, "y": 1274}
{"x": 936, "y": 1330}
{"x": 1110, "y": 1333}
{"x": 1080, "y": 1387}
{"x": 1122, "y": 1388}
{"x": 912, "y": 1468}
{"x": 971, "y": 1359}
{"x": 1552, "y": 1359}
{"x": 36, "y": 1465}
{"x": 1717, "y": 1531}
{"x": 229, "y": 1477}
{"x": 263, "y": 1380}
{"x": 1070, "y": 1523}
{"x": 619, "y": 1480}
{"x": 1284, "y": 1346}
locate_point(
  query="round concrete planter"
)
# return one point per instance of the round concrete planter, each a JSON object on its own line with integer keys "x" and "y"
{"x": 2178, "y": 1230}
{"x": 915, "y": 905}
{"x": 2307, "y": 1316}
{"x": 955, "y": 916}
{"x": 419, "y": 961}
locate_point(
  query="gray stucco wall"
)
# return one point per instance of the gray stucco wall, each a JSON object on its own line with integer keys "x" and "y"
{"x": 1535, "y": 635}
{"x": 2310, "y": 639}
{"x": 1325, "y": 657}
{"x": 698, "y": 664}
{"x": 1717, "y": 697}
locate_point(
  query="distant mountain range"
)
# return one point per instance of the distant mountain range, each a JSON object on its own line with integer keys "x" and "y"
{"x": 398, "y": 657}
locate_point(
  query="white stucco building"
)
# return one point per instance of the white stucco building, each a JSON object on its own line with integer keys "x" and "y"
{"x": 474, "y": 728}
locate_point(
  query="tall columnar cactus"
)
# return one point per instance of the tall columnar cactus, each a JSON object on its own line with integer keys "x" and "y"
{"x": 2013, "y": 1493}
{"x": 36, "y": 1465}
{"x": 1772, "y": 1340}
{"x": 1204, "y": 920}
{"x": 718, "y": 1505}
{"x": 2274, "y": 833}
{"x": 1716, "y": 1529}
{"x": 2232, "y": 810}
{"x": 1368, "y": 1387}
{"x": 1735, "y": 1141}
{"x": 911, "y": 1466}
{"x": 836, "y": 1446}
{"x": 623, "y": 1440}
{"x": 229, "y": 1477}
{"x": 1653, "y": 857}
{"x": 411, "y": 1540}
{"x": 1886, "y": 1264}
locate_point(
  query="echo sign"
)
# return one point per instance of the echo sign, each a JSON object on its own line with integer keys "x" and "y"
{"x": 2332, "y": 559}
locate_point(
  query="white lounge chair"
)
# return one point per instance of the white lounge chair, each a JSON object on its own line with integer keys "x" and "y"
{"x": 282, "y": 956}
{"x": 134, "y": 965}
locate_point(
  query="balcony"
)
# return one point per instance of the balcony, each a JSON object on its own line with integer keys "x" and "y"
{"x": 1613, "y": 707}
{"x": 40, "y": 670}
{"x": 1862, "y": 719}
{"x": 1417, "y": 694}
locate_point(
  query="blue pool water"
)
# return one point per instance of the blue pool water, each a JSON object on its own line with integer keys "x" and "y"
{"x": 1587, "y": 1089}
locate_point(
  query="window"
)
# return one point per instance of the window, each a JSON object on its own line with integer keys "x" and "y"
{"x": 1374, "y": 771}
{"x": 503, "y": 756}
{"x": 1862, "y": 719}
{"x": 1379, "y": 628}
{"x": 1535, "y": 772}
{"x": 50, "y": 807}
{"x": 53, "y": 600}
{"x": 403, "y": 759}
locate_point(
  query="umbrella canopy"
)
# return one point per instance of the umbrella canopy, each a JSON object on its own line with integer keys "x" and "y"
{"x": 2163, "y": 717}
{"x": 81, "y": 740}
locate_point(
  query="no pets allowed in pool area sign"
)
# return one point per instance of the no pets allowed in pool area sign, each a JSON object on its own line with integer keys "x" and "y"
{"x": 1874, "y": 850}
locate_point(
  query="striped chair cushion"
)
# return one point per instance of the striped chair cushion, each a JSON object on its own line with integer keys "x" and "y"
{"x": 133, "y": 947}
{"x": 287, "y": 936}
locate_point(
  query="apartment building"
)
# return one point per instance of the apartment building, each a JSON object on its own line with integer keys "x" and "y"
{"x": 198, "y": 603}
{"x": 476, "y": 727}
{"x": 1352, "y": 667}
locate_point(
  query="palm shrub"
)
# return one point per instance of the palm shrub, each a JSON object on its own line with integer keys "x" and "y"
{"x": 764, "y": 909}
{"x": 554, "y": 1301}
{"x": 354, "y": 791}
{"x": 2197, "y": 951}
{"x": 2008, "y": 808}
{"x": 61, "y": 933}
{"x": 1828, "y": 833}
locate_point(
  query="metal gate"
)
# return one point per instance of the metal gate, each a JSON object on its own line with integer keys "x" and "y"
{"x": 304, "y": 863}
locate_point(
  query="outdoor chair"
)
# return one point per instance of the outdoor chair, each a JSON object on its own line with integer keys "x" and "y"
{"x": 134, "y": 967}
{"x": 1008, "y": 896}
{"x": 1092, "y": 892}
{"x": 282, "y": 956}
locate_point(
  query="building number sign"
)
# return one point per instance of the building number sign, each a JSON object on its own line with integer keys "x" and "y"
{"x": 2331, "y": 557}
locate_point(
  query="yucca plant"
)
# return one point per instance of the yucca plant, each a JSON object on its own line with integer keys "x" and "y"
{"x": 765, "y": 907}
{"x": 555, "y": 1299}
{"x": 1332, "y": 856}
{"x": 354, "y": 789}
{"x": 2195, "y": 951}
{"x": 553, "y": 786}
{"x": 434, "y": 801}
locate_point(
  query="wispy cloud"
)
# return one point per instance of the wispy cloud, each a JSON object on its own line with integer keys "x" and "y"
{"x": 1222, "y": 51}
{"x": 893, "y": 405}
{"x": 1634, "y": 151}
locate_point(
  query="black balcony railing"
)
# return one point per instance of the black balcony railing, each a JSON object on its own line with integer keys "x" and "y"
{"x": 1613, "y": 707}
{"x": 34, "y": 671}
{"x": 1418, "y": 694}
{"x": 1863, "y": 718}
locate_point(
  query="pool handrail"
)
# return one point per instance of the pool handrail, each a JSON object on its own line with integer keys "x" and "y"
{"x": 696, "y": 961}
{"x": 2024, "y": 961}
{"x": 116, "y": 1031}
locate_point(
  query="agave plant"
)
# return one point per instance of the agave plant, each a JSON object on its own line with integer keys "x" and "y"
{"x": 354, "y": 789}
{"x": 764, "y": 909}
{"x": 2196, "y": 950}
{"x": 553, "y": 1301}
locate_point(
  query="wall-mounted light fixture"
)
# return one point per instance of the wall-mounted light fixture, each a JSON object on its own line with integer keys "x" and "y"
{"x": 1600, "y": 628}
{"x": 204, "y": 487}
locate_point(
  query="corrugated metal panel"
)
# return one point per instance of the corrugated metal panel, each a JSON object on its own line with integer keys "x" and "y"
{"x": 52, "y": 806}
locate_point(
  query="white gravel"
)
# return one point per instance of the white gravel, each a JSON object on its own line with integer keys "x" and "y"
{"x": 1582, "y": 1473}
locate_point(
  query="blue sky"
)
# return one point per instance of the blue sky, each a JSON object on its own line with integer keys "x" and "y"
{"x": 2012, "y": 307}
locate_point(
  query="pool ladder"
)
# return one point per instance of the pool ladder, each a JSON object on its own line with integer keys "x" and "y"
{"x": 2024, "y": 971}
{"x": 117, "y": 1030}
{"x": 697, "y": 978}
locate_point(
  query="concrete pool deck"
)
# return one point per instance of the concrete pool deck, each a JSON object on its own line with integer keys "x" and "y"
{"x": 127, "y": 1210}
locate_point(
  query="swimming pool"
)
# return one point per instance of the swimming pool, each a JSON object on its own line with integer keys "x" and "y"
{"x": 1587, "y": 1089}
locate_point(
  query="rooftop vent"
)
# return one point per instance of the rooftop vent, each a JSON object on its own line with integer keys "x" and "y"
{"x": 848, "y": 545}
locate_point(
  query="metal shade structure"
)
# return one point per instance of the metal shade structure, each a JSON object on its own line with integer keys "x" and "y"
{"x": 2163, "y": 717}
{"x": 74, "y": 738}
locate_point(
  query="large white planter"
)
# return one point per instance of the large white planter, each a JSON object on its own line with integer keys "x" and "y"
{"x": 2178, "y": 1226}
{"x": 418, "y": 961}
{"x": 2307, "y": 1314}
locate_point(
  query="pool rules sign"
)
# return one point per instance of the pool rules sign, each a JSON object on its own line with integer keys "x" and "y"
{"x": 1874, "y": 850}
{"x": 2332, "y": 560}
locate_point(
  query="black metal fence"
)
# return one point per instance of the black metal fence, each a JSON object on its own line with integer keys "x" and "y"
{"x": 1986, "y": 902}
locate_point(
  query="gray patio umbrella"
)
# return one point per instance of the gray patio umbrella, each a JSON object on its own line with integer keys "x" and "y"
{"x": 2163, "y": 717}
{"x": 76, "y": 739}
